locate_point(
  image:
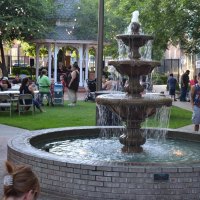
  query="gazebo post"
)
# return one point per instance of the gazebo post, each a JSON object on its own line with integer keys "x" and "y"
{"x": 37, "y": 60}
{"x": 49, "y": 60}
{"x": 55, "y": 61}
{"x": 86, "y": 61}
{"x": 80, "y": 50}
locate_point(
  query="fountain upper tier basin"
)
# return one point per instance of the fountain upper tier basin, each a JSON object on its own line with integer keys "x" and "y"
{"x": 134, "y": 40}
{"x": 134, "y": 67}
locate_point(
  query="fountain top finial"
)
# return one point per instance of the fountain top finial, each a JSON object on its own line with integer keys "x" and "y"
{"x": 135, "y": 16}
{"x": 135, "y": 26}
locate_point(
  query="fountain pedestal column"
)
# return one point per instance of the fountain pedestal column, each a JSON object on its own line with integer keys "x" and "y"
{"x": 132, "y": 140}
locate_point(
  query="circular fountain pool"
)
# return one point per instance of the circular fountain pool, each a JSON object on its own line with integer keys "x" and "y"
{"x": 90, "y": 179}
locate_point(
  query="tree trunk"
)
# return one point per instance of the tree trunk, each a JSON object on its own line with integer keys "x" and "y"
{"x": 3, "y": 64}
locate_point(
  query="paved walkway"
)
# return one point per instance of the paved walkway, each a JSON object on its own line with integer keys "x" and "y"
{"x": 7, "y": 132}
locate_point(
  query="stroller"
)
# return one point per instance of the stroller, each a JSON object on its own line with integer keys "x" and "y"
{"x": 57, "y": 94}
{"x": 91, "y": 88}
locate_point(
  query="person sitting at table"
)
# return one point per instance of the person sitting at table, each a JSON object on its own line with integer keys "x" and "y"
{"x": 17, "y": 80}
{"x": 110, "y": 84}
{"x": 5, "y": 84}
{"x": 27, "y": 88}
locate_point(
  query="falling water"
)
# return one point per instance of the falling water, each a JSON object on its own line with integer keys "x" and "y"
{"x": 160, "y": 121}
{"x": 122, "y": 50}
{"x": 108, "y": 118}
{"x": 146, "y": 54}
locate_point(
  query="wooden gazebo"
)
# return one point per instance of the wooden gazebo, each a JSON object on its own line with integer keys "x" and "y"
{"x": 63, "y": 35}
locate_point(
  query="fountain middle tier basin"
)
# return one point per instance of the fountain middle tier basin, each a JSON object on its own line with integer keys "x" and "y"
{"x": 128, "y": 107}
{"x": 134, "y": 66}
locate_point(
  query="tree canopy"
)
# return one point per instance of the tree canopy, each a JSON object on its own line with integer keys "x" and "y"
{"x": 23, "y": 20}
{"x": 175, "y": 22}
{"x": 172, "y": 21}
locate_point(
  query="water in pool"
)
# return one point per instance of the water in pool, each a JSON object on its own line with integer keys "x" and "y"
{"x": 98, "y": 149}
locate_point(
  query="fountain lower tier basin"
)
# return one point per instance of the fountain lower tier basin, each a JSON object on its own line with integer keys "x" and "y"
{"x": 133, "y": 108}
{"x": 134, "y": 67}
{"x": 80, "y": 179}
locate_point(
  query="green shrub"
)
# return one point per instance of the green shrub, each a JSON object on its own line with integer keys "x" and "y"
{"x": 159, "y": 79}
{"x": 25, "y": 71}
{"x": 31, "y": 70}
{"x": 177, "y": 87}
{"x": 16, "y": 70}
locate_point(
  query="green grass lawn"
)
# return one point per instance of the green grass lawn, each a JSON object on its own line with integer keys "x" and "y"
{"x": 84, "y": 114}
{"x": 58, "y": 116}
{"x": 180, "y": 117}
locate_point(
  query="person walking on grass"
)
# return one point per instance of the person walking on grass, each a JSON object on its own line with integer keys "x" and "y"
{"x": 172, "y": 86}
{"x": 195, "y": 101}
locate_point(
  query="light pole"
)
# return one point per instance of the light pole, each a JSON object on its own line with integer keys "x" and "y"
{"x": 100, "y": 44}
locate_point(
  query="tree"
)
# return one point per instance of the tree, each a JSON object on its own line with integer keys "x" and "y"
{"x": 87, "y": 19}
{"x": 23, "y": 20}
{"x": 87, "y": 23}
{"x": 175, "y": 22}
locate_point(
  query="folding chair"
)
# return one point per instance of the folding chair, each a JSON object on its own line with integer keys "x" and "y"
{"x": 25, "y": 101}
{"x": 5, "y": 103}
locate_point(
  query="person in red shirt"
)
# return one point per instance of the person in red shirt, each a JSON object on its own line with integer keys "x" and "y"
{"x": 193, "y": 81}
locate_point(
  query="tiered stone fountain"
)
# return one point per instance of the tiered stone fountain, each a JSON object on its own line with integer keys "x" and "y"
{"x": 133, "y": 107}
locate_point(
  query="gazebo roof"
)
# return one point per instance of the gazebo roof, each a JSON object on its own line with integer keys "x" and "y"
{"x": 66, "y": 9}
{"x": 63, "y": 31}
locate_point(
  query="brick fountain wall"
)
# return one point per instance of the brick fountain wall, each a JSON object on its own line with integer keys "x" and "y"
{"x": 103, "y": 180}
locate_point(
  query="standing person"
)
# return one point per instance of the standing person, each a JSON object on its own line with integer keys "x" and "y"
{"x": 73, "y": 84}
{"x": 184, "y": 85}
{"x": 195, "y": 101}
{"x": 21, "y": 183}
{"x": 193, "y": 81}
{"x": 172, "y": 86}
{"x": 62, "y": 80}
{"x": 44, "y": 86}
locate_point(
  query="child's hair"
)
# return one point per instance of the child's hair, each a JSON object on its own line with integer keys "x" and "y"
{"x": 20, "y": 180}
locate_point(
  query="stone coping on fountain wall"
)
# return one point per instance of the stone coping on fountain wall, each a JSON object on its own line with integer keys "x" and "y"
{"x": 101, "y": 180}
